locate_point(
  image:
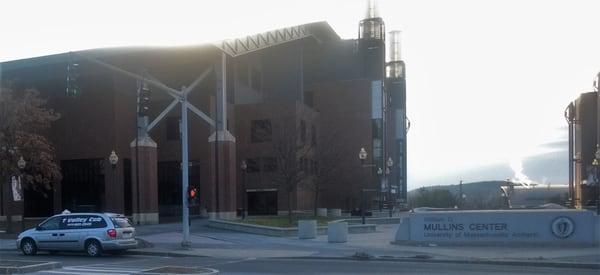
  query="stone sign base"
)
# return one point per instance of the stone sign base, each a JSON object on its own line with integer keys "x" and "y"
{"x": 506, "y": 227}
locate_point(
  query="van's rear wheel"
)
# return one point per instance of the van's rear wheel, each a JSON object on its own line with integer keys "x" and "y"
{"x": 28, "y": 247}
{"x": 93, "y": 248}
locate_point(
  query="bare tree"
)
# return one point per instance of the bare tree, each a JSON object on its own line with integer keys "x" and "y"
{"x": 293, "y": 151}
{"x": 329, "y": 164}
{"x": 23, "y": 123}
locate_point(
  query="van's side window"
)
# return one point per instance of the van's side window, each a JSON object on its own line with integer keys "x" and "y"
{"x": 51, "y": 224}
{"x": 82, "y": 222}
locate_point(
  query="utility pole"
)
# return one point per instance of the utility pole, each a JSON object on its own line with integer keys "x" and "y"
{"x": 460, "y": 195}
{"x": 179, "y": 97}
{"x": 184, "y": 171}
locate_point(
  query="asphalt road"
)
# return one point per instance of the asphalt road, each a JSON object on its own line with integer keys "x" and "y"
{"x": 127, "y": 264}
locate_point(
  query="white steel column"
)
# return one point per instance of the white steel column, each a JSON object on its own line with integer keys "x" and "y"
{"x": 184, "y": 172}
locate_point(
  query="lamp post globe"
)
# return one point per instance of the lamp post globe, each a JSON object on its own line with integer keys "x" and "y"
{"x": 390, "y": 162}
{"x": 113, "y": 158}
{"x": 21, "y": 163}
{"x": 244, "y": 167}
{"x": 362, "y": 154}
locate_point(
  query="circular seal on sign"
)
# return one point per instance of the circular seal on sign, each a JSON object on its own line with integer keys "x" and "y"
{"x": 563, "y": 227}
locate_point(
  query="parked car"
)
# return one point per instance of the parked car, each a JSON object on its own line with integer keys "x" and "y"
{"x": 93, "y": 233}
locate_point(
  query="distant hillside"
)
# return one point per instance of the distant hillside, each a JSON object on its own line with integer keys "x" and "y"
{"x": 469, "y": 188}
{"x": 478, "y": 195}
{"x": 550, "y": 168}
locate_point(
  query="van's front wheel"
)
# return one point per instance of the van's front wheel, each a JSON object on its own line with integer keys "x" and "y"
{"x": 28, "y": 247}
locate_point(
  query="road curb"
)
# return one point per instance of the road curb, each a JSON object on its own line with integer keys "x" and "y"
{"x": 30, "y": 268}
{"x": 595, "y": 266}
{"x": 163, "y": 254}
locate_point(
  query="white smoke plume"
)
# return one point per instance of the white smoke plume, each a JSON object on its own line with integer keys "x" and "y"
{"x": 516, "y": 165}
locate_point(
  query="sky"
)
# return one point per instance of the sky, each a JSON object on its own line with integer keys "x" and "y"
{"x": 487, "y": 81}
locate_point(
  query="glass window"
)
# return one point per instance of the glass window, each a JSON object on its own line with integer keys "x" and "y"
{"x": 121, "y": 222}
{"x": 261, "y": 131}
{"x": 253, "y": 165}
{"x": 269, "y": 164}
{"x": 82, "y": 221}
{"x": 51, "y": 224}
{"x": 376, "y": 100}
{"x": 243, "y": 74}
{"x": 256, "y": 80}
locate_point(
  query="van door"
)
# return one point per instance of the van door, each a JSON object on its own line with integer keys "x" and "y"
{"x": 73, "y": 228}
{"x": 48, "y": 235}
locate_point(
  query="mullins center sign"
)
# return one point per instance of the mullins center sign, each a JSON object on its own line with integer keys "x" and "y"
{"x": 543, "y": 226}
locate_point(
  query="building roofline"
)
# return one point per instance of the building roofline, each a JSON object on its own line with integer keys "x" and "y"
{"x": 320, "y": 31}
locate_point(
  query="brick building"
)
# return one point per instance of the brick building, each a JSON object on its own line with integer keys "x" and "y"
{"x": 583, "y": 123}
{"x": 323, "y": 92}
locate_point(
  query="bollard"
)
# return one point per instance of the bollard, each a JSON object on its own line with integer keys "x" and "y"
{"x": 307, "y": 229}
{"x": 337, "y": 232}
{"x": 321, "y": 212}
{"x": 335, "y": 212}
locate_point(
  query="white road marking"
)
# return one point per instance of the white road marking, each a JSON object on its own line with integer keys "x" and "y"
{"x": 88, "y": 270}
{"x": 82, "y": 273}
{"x": 229, "y": 262}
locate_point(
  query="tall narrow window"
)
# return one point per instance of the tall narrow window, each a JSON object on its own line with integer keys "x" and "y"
{"x": 256, "y": 79}
{"x": 242, "y": 72}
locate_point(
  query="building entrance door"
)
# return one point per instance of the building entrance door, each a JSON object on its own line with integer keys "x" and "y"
{"x": 83, "y": 185}
{"x": 262, "y": 202}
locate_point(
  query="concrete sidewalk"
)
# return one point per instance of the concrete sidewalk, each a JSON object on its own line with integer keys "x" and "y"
{"x": 228, "y": 244}
{"x": 165, "y": 239}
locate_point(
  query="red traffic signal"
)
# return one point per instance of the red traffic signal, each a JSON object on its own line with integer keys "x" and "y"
{"x": 192, "y": 196}
{"x": 193, "y": 192}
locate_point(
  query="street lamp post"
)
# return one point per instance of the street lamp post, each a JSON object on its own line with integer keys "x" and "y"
{"x": 380, "y": 174}
{"x": 244, "y": 168}
{"x": 362, "y": 156}
{"x": 113, "y": 159}
{"x": 596, "y": 164}
{"x": 390, "y": 163}
{"x": 21, "y": 163}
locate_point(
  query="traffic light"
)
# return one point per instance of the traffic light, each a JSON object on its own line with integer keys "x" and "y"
{"x": 72, "y": 75}
{"x": 144, "y": 100}
{"x": 192, "y": 195}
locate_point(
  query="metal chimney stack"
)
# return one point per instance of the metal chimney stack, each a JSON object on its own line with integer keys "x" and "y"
{"x": 395, "y": 67}
{"x": 398, "y": 121}
{"x": 372, "y": 11}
